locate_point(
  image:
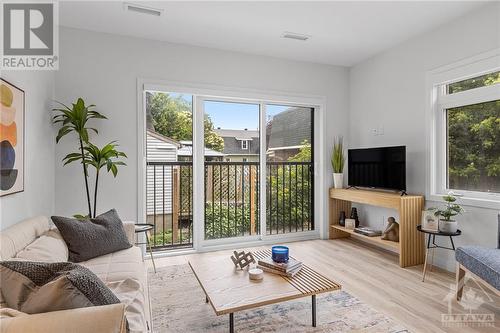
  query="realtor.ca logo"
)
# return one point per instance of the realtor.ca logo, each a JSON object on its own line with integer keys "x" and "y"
{"x": 30, "y": 36}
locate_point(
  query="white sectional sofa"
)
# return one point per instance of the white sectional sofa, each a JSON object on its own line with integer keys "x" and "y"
{"x": 124, "y": 272}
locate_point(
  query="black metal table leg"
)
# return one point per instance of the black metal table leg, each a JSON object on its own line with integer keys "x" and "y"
{"x": 452, "y": 244}
{"x": 231, "y": 323}
{"x": 313, "y": 310}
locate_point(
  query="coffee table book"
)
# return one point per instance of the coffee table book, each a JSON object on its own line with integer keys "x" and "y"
{"x": 290, "y": 273}
{"x": 283, "y": 267}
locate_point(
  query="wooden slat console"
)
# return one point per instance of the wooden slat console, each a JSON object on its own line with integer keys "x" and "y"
{"x": 411, "y": 247}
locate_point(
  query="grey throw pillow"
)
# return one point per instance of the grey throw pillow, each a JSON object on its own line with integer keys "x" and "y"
{"x": 36, "y": 287}
{"x": 90, "y": 238}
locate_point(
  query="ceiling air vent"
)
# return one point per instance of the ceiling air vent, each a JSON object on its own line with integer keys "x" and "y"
{"x": 142, "y": 9}
{"x": 296, "y": 36}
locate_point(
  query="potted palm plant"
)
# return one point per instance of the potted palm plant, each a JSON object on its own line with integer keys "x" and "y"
{"x": 338, "y": 160}
{"x": 451, "y": 209}
{"x": 75, "y": 119}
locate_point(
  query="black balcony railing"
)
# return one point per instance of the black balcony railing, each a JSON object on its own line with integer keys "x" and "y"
{"x": 289, "y": 197}
{"x": 232, "y": 205}
{"x": 169, "y": 203}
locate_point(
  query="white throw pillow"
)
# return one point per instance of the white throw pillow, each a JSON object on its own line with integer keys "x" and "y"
{"x": 50, "y": 247}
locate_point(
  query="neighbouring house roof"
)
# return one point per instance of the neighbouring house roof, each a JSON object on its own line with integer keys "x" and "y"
{"x": 163, "y": 138}
{"x": 187, "y": 150}
{"x": 232, "y": 141}
{"x": 240, "y": 134}
{"x": 288, "y": 129}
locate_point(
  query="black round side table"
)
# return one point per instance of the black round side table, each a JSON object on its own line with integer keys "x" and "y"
{"x": 146, "y": 229}
{"x": 433, "y": 246}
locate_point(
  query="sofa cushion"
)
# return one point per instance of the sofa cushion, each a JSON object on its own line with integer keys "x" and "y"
{"x": 50, "y": 247}
{"x": 484, "y": 262}
{"x": 16, "y": 237}
{"x": 87, "y": 239}
{"x": 124, "y": 272}
{"x": 35, "y": 287}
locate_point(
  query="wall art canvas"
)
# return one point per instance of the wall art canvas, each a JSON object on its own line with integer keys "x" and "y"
{"x": 11, "y": 138}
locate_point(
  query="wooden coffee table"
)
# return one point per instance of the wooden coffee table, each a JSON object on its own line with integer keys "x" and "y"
{"x": 230, "y": 290}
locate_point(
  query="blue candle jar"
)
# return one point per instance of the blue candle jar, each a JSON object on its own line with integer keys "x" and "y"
{"x": 280, "y": 254}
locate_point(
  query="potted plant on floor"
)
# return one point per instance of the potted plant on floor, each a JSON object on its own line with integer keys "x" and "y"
{"x": 446, "y": 224}
{"x": 75, "y": 119}
{"x": 338, "y": 160}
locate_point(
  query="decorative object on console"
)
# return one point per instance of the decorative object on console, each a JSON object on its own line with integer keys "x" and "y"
{"x": 342, "y": 219}
{"x": 446, "y": 224}
{"x": 256, "y": 274}
{"x": 75, "y": 119}
{"x": 350, "y": 224}
{"x": 391, "y": 232}
{"x": 11, "y": 138}
{"x": 354, "y": 216}
{"x": 367, "y": 231}
{"x": 242, "y": 259}
{"x": 429, "y": 220}
{"x": 338, "y": 161}
{"x": 280, "y": 254}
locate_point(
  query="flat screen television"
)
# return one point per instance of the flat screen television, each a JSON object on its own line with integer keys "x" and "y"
{"x": 383, "y": 168}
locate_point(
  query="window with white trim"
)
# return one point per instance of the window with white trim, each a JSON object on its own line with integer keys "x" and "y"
{"x": 244, "y": 144}
{"x": 466, "y": 132}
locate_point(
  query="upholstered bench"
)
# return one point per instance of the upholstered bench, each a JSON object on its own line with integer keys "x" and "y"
{"x": 482, "y": 262}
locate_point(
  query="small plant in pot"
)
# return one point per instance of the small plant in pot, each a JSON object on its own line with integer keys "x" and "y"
{"x": 338, "y": 161}
{"x": 446, "y": 221}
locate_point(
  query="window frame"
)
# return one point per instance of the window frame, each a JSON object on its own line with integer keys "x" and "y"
{"x": 244, "y": 144}
{"x": 439, "y": 102}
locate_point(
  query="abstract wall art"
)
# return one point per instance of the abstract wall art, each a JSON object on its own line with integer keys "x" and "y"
{"x": 11, "y": 138}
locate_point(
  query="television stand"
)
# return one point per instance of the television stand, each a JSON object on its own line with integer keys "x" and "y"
{"x": 410, "y": 248}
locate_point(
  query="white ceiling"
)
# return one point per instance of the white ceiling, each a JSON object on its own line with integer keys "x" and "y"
{"x": 342, "y": 33}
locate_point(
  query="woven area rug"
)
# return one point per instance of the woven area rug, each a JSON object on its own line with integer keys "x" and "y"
{"x": 178, "y": 305}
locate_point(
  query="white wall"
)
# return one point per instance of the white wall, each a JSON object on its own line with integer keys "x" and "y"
{"x": 104, "y": 68}
{"x": 38, "y": 195}
{"x": 389, "y": 90}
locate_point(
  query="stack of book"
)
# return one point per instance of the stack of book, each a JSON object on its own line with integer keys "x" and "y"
{"x": 368, "y": 232}
{"x": 289, "y": 269}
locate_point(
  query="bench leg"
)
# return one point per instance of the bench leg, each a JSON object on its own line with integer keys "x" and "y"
{"x": 460, "y": 281}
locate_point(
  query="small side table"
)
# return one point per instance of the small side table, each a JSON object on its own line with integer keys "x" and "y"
{"x": 433, "y": 246}
{"x": 146, "y": 229}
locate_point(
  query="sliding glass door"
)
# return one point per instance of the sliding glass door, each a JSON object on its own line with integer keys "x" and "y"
{"x": 169, "y": 168}
{"x": 253, "y": 177}
{"x": 231, "y": 169}
{"x": 289, "y": 169}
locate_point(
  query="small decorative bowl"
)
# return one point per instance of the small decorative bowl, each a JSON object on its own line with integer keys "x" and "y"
{"x": 256, "y": 274}
{"x": 280, "y": 254}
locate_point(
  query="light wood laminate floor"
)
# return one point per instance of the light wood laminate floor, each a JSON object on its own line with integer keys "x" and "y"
{"x": 374, "y": 276}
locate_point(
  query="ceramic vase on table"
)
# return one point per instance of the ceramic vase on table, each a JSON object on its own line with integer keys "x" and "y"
{"x": 448, "y": 226}
{"x": 338, "y": 180}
